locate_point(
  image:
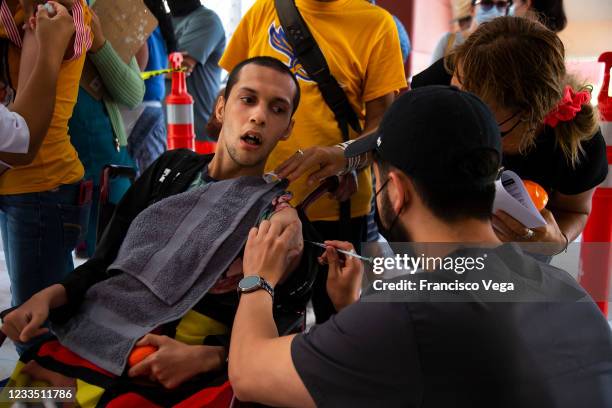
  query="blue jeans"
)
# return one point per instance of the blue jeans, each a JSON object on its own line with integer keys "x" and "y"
{"x": 39, "y": 232}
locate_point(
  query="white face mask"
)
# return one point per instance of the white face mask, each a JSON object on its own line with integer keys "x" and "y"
{"x": 511, "y": 10}
{"x": 486, "y": 16}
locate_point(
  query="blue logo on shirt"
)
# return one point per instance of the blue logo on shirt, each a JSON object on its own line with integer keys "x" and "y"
{"x": 279, "y": 42}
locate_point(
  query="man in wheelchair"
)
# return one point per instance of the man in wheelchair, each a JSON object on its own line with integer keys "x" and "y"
{"x": 166, "y": 270}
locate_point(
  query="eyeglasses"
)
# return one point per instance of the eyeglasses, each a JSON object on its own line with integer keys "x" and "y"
{"x": 487, "y": 5}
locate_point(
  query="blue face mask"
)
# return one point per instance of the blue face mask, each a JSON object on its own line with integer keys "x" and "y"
{"x": 486, "y": 16}
{"x": 511, "y": 10}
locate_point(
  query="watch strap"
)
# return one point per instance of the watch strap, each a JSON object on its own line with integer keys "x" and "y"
{"x": 261, "y": 284}
{"x": 267, "y": 287}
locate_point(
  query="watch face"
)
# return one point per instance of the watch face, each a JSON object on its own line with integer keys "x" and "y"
{"x": 249, "y": 283}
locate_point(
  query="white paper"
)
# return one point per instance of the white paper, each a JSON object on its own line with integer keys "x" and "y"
{"x": 512, "y": 197}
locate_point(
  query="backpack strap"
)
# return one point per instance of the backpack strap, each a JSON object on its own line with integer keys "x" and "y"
{"x": 311, "y": 57}
{"x": 308, "y": 52}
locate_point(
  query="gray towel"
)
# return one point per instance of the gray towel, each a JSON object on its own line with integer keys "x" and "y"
{"x": 173, "y": 253}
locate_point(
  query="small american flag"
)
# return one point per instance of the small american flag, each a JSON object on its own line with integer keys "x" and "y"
{"x": 83, "y": 37}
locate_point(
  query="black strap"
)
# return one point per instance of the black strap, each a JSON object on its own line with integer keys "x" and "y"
{"x": 311, "y": 57}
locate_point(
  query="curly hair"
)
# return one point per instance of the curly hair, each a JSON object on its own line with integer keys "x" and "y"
{"x": 519, "y": 65}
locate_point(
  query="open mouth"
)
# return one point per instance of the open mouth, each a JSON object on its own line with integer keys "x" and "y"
{"x": 252, "y": 138}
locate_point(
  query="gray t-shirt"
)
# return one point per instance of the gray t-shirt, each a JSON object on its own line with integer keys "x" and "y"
{"x": 201, "y": 35}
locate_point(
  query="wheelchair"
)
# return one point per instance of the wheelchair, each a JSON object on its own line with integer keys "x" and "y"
{"x": 290, "y": 301}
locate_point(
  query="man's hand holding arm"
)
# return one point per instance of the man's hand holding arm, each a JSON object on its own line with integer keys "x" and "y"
{"x": 329, "y": 160}
{"x": 260, "y": 364}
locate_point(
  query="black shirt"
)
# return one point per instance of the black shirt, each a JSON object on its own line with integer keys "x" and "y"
{"x": 435, "y": 74}
{"x": 545, "y": 162}
{"x": 158, "y": 8}
{"x": 180, "y": 8}
{"x": 468, "y": 354}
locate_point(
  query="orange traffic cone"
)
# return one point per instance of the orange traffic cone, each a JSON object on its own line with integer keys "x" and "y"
{"x": 179, "y": 105}
{"x": 596, "y": 259}
{"x": 205, "y": 147}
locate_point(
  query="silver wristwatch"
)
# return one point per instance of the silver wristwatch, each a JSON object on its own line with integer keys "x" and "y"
{"x": 253, "y": 283}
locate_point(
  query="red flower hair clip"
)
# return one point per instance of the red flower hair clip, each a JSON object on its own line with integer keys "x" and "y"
{"x": 568, "y": 107}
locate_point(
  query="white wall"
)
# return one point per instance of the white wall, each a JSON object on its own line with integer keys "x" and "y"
{"x": 230, "y": 12}
{"x": 431, "y": 20}
{"x": 588, "y": 34}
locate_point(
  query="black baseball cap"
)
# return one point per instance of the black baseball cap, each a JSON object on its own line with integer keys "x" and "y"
{"x": 435, "y": 134}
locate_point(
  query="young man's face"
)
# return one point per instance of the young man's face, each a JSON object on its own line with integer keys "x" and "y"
{"x": 256, "y": 115}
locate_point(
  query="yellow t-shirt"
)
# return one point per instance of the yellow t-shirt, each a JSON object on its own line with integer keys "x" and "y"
{"x": 361, "y": 46}
{"x": 57, "y": 162}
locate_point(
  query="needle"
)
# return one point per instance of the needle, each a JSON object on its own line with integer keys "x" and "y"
{"x": 342, "y": 251}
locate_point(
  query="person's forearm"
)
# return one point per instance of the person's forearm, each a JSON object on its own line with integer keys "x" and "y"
{"x": 370, "y": 126}
{"x": 121, "y": 80}
{"x": 35, "y": 97}
{"x": 570, "y": 223}
{"x": 375, "y": 111}
{"x": 55, "y": 295}
{"x": 253, "y": 324}
{"x": 260, "y": 364}
{"x": 27, "y": 58}
{"x": 209, "y": 358}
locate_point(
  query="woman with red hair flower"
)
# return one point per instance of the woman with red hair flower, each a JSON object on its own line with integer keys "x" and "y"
{"x": 549, "y": 128}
